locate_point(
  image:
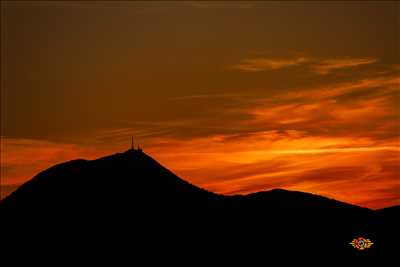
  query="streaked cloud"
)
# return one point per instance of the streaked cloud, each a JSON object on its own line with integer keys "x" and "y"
{"x": 381, "y": 85}
{"x": 328, "y": 65}
{"x": 316, "y": 65}
{"x": 263, "y": 64}
{"x": 330, "y": 166}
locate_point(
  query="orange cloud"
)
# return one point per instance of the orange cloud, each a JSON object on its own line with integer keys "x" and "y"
{"x": 328, "y": 65}
{"x": 382, "y": 85}
{"x": 337, "y": 140}
{"x": 262, "y": 64}
{"x": 348, "y": 169}
{"x": 319, "y": 66}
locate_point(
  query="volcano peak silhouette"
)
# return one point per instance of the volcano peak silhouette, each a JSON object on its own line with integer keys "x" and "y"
{"x": 133, "y": 179}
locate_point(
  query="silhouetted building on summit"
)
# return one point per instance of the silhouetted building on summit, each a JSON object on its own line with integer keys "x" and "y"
{"x": 139, "y": 149}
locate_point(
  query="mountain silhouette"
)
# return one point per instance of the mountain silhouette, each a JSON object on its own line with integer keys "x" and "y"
{"x": 132, "y": 196}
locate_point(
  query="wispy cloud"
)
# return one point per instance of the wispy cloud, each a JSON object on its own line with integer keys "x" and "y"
{"x": 319, "y": 66}
{"x": 324, "y": 140}
{"x": 328, "y": 65}
{"x": 381, "y": 85}
{"x": 329, "y": 165}
{"x": 263, "y": 64}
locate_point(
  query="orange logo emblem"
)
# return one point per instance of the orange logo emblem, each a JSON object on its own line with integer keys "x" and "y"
{"x": 361, "y": 243}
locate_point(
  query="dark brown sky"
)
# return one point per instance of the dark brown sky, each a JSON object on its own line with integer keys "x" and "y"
{"x": 234, "y": 96}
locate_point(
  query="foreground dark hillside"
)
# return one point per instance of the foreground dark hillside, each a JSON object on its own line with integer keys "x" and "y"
{"x": 132, "y": 197}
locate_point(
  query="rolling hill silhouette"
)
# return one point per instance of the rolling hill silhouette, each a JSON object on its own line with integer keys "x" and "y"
{"x": 132, "y": 196}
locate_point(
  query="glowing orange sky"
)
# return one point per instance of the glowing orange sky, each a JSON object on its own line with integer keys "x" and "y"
{"x": 249, "y": 99}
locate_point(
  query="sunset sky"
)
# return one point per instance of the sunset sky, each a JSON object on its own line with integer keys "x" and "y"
{"x": 235, "y": 97}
